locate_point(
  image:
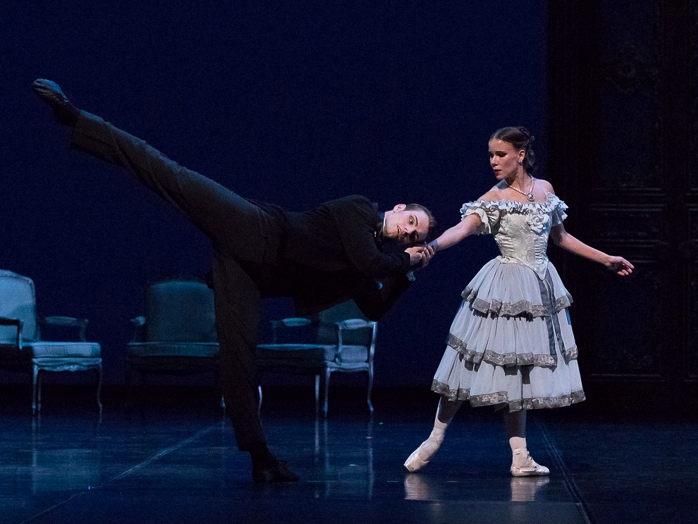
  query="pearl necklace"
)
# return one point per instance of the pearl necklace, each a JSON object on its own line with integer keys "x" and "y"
{"x": 529, "y": 195}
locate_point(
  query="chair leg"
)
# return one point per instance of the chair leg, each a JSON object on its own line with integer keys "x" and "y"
{"x": 259, "y": 406}
{"x": 130, "y": 401}
{"x": 328, "y": 371}
{"x": 36, "y": 391}
{"x": 99, "y": 387}
{"x": 143, "y": 389}
{"x": 370, "y": 388}
{"x": 317, "y": 394}
{"x": 219, "y": 389}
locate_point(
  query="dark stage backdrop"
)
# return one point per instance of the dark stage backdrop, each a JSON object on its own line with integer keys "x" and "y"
{"x": 290, "y": 102}
{"x": 623, "y": 77}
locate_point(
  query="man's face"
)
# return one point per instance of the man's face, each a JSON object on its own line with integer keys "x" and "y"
{"x": 405, "y": 226}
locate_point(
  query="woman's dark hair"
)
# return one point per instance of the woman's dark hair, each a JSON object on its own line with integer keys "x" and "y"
{"x": 520, "y": 138}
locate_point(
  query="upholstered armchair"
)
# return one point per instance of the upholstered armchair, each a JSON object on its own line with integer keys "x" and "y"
{"x": 344, "y": 341}
{"x": 22, "y": 347}
{"x": 177, "y": 334}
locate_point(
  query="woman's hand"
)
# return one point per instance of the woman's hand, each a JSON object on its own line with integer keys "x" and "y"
{"x": 619, "y": 266}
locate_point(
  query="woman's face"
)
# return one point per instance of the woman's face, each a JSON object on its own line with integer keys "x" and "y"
{"x": 504, "y": 159}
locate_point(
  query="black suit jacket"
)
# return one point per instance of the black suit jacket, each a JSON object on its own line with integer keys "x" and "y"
{"x": 333, "y": 253}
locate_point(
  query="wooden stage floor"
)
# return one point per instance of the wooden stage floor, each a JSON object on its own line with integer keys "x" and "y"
{"x": 174, "y": 460}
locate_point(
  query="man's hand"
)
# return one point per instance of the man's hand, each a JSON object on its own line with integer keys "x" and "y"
{"x": 420, "y": 254}
{"x": 427, "y": 254}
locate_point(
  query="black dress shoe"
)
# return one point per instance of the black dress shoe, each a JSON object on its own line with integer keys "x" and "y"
{"x": 276, "y": 473}
{"x": 50, "y": 92}
{"x": 53, "y": 96}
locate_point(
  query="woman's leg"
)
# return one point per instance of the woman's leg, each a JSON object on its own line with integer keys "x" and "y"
{"x": 522, "y": 465}
{"x": 421, "y": 456}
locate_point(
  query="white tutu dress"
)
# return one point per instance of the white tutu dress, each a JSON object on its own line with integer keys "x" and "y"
{"x": 511, "y": 341}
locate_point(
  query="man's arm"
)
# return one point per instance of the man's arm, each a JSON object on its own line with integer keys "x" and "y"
{"x": 356, "y": 220}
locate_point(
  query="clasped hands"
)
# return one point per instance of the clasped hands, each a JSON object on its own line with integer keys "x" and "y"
{"x": 420, "y": 255}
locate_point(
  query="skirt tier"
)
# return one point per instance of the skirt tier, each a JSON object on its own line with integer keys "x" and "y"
{"x": 511, "y": 342}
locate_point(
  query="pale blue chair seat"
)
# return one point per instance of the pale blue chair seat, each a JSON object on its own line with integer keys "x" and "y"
{"x": 313, "y": 353}
{"x": 169, "y": 349}
{"x": 65, "y": 350}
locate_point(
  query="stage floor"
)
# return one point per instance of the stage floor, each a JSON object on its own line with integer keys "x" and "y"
{"x": 176, "y": 461}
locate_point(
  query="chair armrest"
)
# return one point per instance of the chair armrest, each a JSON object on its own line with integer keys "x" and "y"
{"x": 138, "y": 329}
{"x": 5, "y": 321}
{"x": 354, "y": 323}
{"x": 289, "y": 322}
{"x": 63, "y": 321}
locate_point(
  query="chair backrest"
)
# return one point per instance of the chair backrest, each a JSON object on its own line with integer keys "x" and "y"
{"x": 18, "y": 300}
{"x": 327, "y": 333}
{"x": 180, "y": 310}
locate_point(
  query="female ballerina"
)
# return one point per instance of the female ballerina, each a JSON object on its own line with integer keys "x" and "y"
{"x": 511, "y": 344}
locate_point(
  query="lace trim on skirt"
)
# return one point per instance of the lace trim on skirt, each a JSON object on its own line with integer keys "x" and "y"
{"x": 522, "y": 307}
{"x": 508, "y": 359}
{"x": 501, "y": 399}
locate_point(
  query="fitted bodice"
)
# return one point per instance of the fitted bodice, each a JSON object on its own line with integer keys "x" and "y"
{"x": 521, "y": 229}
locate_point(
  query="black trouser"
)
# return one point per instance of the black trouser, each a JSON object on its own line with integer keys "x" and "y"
{"x": 243, "y": 237}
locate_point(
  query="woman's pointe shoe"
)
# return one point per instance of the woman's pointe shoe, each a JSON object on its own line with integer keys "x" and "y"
{"x": 527, "y": 466}
{"x": 421, "y": 456}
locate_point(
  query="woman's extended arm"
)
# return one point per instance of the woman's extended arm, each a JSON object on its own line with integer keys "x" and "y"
{"x": 566, "y": 241}
{"x": 455, "y": 234}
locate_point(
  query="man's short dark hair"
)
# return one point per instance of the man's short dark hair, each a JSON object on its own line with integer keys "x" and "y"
{"x": 432, "y": 221}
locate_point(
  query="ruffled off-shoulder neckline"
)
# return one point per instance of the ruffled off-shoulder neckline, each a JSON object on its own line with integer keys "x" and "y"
{"x": 550, "y": 203}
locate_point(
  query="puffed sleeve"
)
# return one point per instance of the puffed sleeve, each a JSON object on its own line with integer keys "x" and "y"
{"x": 559, "y": 208}
{"x": 488, "y": 211}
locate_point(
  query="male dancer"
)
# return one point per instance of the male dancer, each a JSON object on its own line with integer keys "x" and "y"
{"x": 320, "y": 257}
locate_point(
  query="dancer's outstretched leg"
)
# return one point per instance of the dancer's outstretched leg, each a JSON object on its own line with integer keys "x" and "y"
{"x": 421, "y": 456}
{"x": 522, "y": 465}
{"x": 240, "y": 232}
{"x": 235, "y": 226}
